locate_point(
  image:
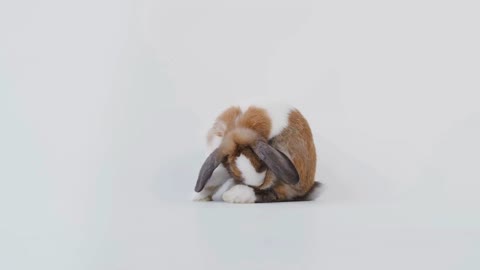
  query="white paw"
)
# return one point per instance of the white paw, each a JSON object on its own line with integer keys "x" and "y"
{"x": 217, "y": 196}
{"x": 239, "y": 194}
{"x": 202, "y": 196}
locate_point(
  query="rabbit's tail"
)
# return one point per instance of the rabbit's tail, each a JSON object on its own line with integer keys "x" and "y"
{"x": 313, "y": 193}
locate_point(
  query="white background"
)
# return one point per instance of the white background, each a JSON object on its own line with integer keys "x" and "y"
{"x": 104, "y": 105}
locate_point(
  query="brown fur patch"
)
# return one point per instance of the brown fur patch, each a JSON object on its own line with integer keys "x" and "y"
{"x": 232, "y": 168}
{"x": 237, "y": 139}
{"x": 268, "y": 181}
{"x": 296, "y": 141}
{"x": 224, "y": 122}
{"x": 229, "y": 116}
{"x": 243, "y": 136}
{"x": 256, "y": 119}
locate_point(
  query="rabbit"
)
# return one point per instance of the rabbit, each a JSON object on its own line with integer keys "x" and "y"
{"x": 259, "y": 154}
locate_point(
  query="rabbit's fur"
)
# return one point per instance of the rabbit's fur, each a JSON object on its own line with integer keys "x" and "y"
{"x": 259, "y": 154}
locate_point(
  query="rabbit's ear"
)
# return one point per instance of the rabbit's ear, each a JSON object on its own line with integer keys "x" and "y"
{"x": 210, "y": 164}
{"x": 277, "y": 162}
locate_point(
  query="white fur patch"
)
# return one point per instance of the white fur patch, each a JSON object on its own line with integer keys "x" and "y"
{"x": 250, "y": 175}
{"x": 279, "y": 116}
{"x": 239, "y": 194}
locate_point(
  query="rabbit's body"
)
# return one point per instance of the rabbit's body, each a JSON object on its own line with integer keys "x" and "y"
{"x": 248, "y": 174}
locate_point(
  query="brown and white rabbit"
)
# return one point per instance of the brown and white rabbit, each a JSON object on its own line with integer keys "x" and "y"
{"x": 261, "y": 154}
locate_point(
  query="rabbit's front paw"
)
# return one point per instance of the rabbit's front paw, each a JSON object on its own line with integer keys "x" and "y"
{"x": 202, "y": 196}
{"x": 239, "y": 194}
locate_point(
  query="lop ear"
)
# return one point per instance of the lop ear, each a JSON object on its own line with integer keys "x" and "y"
{"x": 277, "y": 162}
{"x": 210, "y": 164}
